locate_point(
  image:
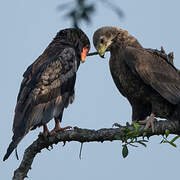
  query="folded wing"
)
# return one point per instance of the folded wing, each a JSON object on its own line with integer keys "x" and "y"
{"x": 42, "y": 87}
{"x": 154, "y": 71}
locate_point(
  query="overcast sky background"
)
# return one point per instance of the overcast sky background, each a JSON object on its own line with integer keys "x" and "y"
{"x": 27, "y": 27}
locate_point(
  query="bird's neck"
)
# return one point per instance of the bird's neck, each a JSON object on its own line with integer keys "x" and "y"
{"x": 127, "y": 40}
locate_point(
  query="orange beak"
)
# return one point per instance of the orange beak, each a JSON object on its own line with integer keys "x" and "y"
{"x": 84, "y": 54}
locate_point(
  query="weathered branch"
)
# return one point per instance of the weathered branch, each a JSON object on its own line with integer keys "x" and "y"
{"x": 85, "y": 135}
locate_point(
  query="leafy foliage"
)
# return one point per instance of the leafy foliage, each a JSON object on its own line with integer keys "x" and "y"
{"x": 165, "y": 139}
{"x": 82, "y": 10}
{"x": 131, "y": 139}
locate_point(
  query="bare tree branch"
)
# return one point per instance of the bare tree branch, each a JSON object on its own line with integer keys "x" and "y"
{"x": 95, "y": 53}
{"x": 86, "y": 135}
{"x": 92, "y": 54}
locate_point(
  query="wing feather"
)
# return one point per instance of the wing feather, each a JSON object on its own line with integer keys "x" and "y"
{"x": 43, "y": 86}
{"x": 155, "y": 71}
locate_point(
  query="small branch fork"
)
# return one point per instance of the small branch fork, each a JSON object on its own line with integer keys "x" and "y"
{"x": 85, "y": 135}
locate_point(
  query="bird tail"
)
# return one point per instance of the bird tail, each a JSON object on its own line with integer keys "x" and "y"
{"x": 15, "y": 141}
{"x": 19, "y": 133}
{"x": 21, "y": 129}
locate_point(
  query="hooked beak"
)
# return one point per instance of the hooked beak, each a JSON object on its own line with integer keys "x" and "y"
{"x": 84, "y": 54}
{"x": 101, "y": 50}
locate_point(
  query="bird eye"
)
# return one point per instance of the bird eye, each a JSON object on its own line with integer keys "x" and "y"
{"x": 102, "y": 41}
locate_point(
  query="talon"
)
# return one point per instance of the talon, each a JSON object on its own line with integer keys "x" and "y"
{"x": 56, "y": 129}
{"x": 149, "y": 122}
{"x": 64, "y": 143}
{"x": 127, "y": 124}
{"x": 48, "y": 148}
{"x": 116, "y": 125}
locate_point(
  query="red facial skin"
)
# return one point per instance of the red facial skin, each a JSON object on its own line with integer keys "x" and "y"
{"x": 84, "y": 53}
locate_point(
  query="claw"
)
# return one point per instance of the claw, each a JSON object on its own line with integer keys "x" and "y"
{"x": 64, "y": 143}
{"x": 56, "y": 129}
{"x": 149, "y": 122}
{"x": 127, "y": 124}
{"x": 116, "y": 125}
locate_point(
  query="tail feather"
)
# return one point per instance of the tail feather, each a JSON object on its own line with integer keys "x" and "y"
{"x": 12, "y": 146}
{"x": 21, "y": 124}
{"x": 20, "y": 128}
{"x": 19, "y": 133}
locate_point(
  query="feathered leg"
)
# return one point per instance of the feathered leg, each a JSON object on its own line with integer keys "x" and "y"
{"x": 45, "y": 130}
{"x": 17, "y": 137}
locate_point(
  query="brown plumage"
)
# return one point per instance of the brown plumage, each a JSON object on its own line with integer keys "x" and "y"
{"x": 48, "y": 85}
{"x": 146, "y": 77}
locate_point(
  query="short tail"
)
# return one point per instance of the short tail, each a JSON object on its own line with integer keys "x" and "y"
{"x": 15, "y": 141}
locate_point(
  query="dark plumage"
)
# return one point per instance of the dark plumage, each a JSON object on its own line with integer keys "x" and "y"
{"x": 146, "y": 77}
{"x": 48, "y": 84}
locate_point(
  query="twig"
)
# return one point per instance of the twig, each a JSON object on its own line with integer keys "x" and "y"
{"x": 85, "y": 135}
{"x": 92, "y": 54}
{"x": 95, "y": 53}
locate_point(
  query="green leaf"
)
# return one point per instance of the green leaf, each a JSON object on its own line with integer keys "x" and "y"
{"x": 143, "y": 140}
{"x": 117, "y": 137}
{"x": 125, "y": 151}
{"x": 137, "y": 126}
{"x": 162, "y": 141}
{"x": 140, "y": 142}
{"x": 174, "y": 139}
{"x": 131, "y": 134}
{"x": 126, "y": 130}
{"x": 167, "y": 133}
{"x": 171, "y": 143}
{"x": 133, "y": 145}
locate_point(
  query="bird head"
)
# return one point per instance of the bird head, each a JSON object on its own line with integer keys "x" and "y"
{"x": 103, "y": 39}
{"x": 106, "y": 37}
{"x": 77, "y": 38}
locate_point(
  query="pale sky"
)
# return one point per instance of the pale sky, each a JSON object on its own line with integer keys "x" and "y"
{"x": 27, "y": 27}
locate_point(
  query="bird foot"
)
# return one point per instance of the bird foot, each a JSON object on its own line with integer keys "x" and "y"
{"x": 45, "y": 131}
{"x": 119, "y": 126}
{"x": 56, "y": 129}
{"x": 116, "y": 125}
{"x": 149, "y": 122}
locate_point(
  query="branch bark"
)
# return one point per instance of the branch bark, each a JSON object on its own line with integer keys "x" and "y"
{"x": 85, "y": 135}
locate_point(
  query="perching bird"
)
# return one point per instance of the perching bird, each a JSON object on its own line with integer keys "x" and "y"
{"x": 148, "y": 80}
{"x": 48, "y": 85}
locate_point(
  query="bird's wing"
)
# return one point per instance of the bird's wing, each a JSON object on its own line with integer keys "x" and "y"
{"x": 43, "y": 85}
{"x": 154, "y": 71}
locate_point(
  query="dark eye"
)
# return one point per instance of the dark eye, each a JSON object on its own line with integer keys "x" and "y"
{"x": 102, "y": 41}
